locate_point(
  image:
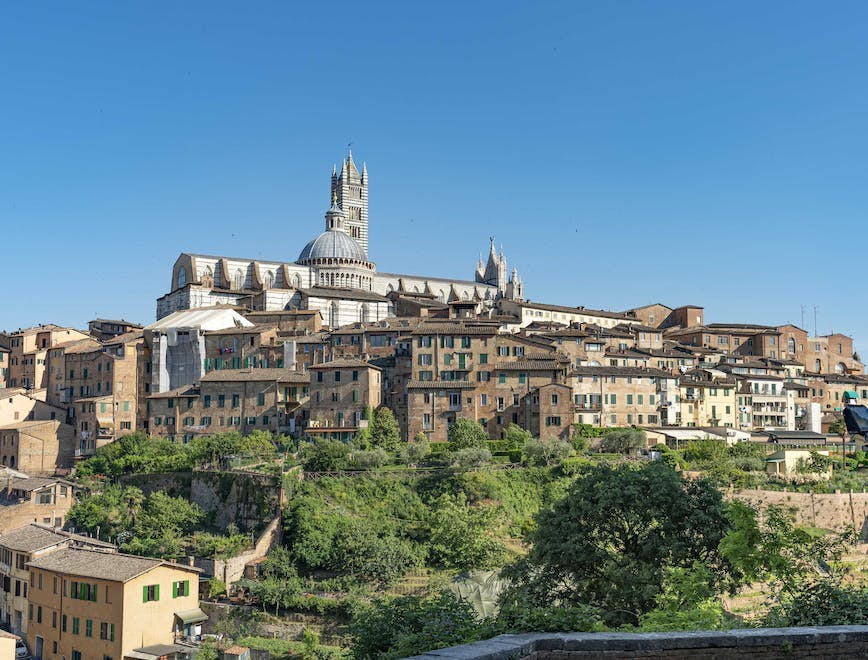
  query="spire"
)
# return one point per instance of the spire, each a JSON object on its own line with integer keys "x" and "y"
{"x": 335, "y": 216}
{"x": 364, "y": 172}
{"x": 334, "y": 171}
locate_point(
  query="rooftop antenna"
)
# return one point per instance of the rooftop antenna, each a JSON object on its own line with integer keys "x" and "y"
{"x": 815, "y": 321}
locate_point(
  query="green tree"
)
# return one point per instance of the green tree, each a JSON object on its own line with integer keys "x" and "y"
{"x": 461, "y": 536}
{"x": 407, "y": 626}
{"x": 415, "y": 452}
{"x": 325, "y": 456}
{"x": 609, "y": 542}
{"x": 385, "y": 433}
{"x": 516, "y": 436}
{"x": 279, "y": 583}
{"x": 624, "y": 441}
{"x": 838, "y": 427}
{"x": 465, "y": 433}
{"x": 547, "y": 452}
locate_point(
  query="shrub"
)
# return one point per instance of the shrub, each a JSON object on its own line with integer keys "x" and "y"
{"x": 366, "y": 460}
{"x": 470, "y": 457}
{"x": 466, "y": 433}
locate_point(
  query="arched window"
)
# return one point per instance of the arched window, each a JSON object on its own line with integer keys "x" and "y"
{"x": 840, "y": 368}
{"x": 818, "y": 366}
{"x": 238, "y": 282}
{"x": 182, "y": 277}
{"x": 363, "y": 313}
{"x": 269, "y": 279}
{"x": 296, "y": 281}
{"x": 208, "y": 276}
{"x": 791, "y": 345}
{"x": 441, "y": 296}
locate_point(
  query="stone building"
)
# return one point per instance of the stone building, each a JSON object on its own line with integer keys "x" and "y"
{"x": 37, "y": 447}
{"x": 242, "y": 400}
{"x": 619, "y": 396}
{"x": 25, "y": 499}
{"x": 340, "y": 391}
{"x": 469, "y": 369}
{"x": 333, "y": 273}
{"x": 28, "y": 350}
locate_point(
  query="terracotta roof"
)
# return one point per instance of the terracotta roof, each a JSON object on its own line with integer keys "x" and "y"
{"x": 185, "y": 390}
{"x": 101, "y": 565}
{"x": 440, "y": 385}
{"x": 621, "y": 371}
{"x": 528, "y": 365}
{"x": 254, "y": 375}
{"x": 343, "y": 363}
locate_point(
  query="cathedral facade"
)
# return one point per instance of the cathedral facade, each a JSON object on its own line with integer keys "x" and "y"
{"x": 333, "y": 272}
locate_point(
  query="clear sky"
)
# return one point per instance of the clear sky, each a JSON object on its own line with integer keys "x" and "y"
{"x": 623, "y": 152}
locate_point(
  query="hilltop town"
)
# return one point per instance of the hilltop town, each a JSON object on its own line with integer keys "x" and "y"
{"x": 287, "y": 362}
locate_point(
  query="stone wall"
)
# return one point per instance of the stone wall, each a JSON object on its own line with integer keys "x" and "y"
{"x": 833, "y": 511}
{"x": 232, "y": 569}
{"x": 831, "y": 643}
{"x": 245, "y": 498}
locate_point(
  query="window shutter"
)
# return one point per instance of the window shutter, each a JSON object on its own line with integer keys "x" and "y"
{"x": 93, "y": 589}
{"x": 157, "y": 592}
{"x": 144, "y": 594}
{"x": 174, "y": 589}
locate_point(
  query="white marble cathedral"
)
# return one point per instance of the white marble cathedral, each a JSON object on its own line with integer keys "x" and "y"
{"x": 333, "y": 273}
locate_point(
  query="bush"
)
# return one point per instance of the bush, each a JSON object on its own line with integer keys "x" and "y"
{"x": 408, "y": 626}
{"x": 415, "y": 452}
{"x": 547, "y": 452}
{"x": 625, "y": 441}
{"x": 465, "y": 433}
{"x": 470, "y": 457}
{"x": 367, "y": 460}
{"x": 325, "y": 456}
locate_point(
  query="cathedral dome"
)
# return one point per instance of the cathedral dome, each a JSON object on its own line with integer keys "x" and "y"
{"x": 332, "y": 244}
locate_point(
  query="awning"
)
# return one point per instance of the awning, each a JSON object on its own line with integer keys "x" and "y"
{"x": 192, "y": 616}
{"x": 850, "y": 394}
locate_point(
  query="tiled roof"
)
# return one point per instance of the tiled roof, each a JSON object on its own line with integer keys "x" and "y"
{"x": 528, "y": 365}
{"x": 343, "y": 363}
{"x": 100, "y": 565}
{"x": 30, "y": 538}
{"x": 621, "y": 371}
{"x": 440, "y": 385}
{"x": 255, "y": 375}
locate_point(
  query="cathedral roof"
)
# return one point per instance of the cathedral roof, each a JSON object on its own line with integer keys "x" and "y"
{"x": 334, "y": 244}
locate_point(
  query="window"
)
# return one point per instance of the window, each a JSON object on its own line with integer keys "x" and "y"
{"x": 553, "y": 421}
{"x": 83, "y": 591}
{"x": 207, "y": 401}
{"x": 260, "y": 399}
{"x": 107, "y": 631}
{"x": 76, "y": 655}
{"x": 181, "y": 588}
{"x": 629, "y": 399}
{"x": 522, "y": 379}
{"x": 75, "y": 625}
{"x": 236, "y": 400}
{"x": 355, "y": 375}
{"x": 221, "y": 400}
{"x": 88, "y": 628}
{"x": 554, "y": 399}
{"x": 150, "y": 593}
{"x": 501, "y": 378}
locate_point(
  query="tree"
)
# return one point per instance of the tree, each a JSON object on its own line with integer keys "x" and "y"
{"x": 385, "y": 433}
{"x": 471, "y": 457}
{"x": 838, "y": 427}
{"x": 547, "y": 452}
{"x": 803, "y": 568}
{"x": 325, "y": 456}
{"x": 609, "y": 542}
{"x": 406, "y": 626}
{"x": 516, "y": 436}
{"x": 414, "y": 452}
{"x": 624, "y": 441}
{"x": 461, "y": 535}
{"x": 466, "y": 433}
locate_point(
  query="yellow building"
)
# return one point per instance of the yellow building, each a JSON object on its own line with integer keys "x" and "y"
{"x": 708, "y": 398}
{"x": 87, "y": 604}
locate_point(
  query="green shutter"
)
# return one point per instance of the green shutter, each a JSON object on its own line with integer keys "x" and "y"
{"x": 144, "y": 594}
{"x": 174, "y": 589}
{"x": 93, "y": 592}
{"x": 186, "y": 587}
{"x": 157, "y": 592}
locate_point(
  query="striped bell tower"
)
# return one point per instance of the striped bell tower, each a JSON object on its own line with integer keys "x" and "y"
{"x": 351, "y": 190}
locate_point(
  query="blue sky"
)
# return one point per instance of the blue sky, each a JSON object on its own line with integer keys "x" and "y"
{"x": 622, "y": 152}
